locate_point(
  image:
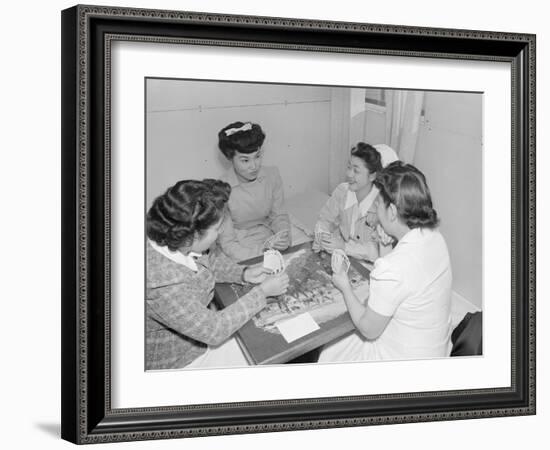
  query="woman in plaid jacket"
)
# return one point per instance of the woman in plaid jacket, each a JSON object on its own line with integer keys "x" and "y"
{"x": 182, "y": 224}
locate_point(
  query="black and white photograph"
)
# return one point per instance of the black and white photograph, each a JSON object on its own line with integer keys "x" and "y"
{"x": 311, "y": 224}
{"x": 279, "y": 224}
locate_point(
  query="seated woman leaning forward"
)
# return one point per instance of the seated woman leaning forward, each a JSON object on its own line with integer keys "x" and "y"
{"x": 348, "y": 220}
{"x": 408, "y": 310}
{"x": 182, "y": 331}
{"x": 256, "y": 204}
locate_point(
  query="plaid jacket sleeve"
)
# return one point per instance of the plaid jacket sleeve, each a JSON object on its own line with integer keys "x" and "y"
{"x": 179, "y": 308}
{"x": 225, "y": 270}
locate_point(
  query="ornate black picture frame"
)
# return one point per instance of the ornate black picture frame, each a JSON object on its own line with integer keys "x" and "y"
{"x": 87, "y": 35}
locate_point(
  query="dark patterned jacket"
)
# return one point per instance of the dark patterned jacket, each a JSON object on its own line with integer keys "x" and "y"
{"x": 180, "y": 325}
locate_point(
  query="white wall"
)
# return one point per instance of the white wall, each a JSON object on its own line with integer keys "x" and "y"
{"x": 184, "y": 118}
{"x": 30, "y": 186}
{"x": 449, "y": 153}
{"x": 375, "y": 125}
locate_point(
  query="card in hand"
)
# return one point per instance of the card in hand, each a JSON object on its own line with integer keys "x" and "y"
{"x": 339, "y": 261}
{"x": 273, "y": 260}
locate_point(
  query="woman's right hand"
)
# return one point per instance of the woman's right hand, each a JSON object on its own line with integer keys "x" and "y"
{"x": 275, "y": 285}
{"x": 283, "y": 241}
{"x": 341, "y": 281}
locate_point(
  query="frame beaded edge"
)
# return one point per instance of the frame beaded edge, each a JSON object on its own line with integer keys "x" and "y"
{"x": 86, "y": 12}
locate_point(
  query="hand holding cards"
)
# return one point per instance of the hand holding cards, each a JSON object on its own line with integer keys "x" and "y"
{"x": 340, "y": 265}
{"x": 273, "y": 260}
{"x": 320, "y": 234}
{"x": 340, "y": 261}
{"x": 279, "y": 241}
{"x": 276, "y": 284}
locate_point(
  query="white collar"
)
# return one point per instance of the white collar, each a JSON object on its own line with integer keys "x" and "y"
{"x": 178, "y": 257}
{"x": 415, "y": 235}
{"x": 364, "y": 206}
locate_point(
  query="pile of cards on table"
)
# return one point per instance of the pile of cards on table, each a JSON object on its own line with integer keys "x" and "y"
{"x": 273, "y": 260}
{"x": 339, "y": 261}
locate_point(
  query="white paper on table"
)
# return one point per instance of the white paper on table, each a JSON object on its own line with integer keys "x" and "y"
{"x": 297, "y": 327}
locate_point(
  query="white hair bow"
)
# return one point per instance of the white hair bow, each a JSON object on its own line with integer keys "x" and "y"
{"x": 247, "y": 126}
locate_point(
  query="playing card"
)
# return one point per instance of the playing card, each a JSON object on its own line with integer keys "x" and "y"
{"x": 382, "y": 236}
{"x": 339, "y": 261}
{"x": 273, "y": 260}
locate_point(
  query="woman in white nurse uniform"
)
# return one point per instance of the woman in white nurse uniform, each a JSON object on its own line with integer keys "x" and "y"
{"x": 407, "y": 314}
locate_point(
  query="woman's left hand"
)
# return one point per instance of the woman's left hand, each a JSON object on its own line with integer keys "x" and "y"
{"x": 331, "y": 243}
{"x": 341, "y": 281}
{"x": 283, "y": 241}
{"x": 255, "y": 275}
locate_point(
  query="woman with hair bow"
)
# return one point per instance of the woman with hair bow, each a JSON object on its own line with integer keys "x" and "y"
{"x": 256, "y": 205}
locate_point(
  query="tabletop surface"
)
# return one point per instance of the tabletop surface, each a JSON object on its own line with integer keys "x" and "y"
{"x": 310, "y": 292}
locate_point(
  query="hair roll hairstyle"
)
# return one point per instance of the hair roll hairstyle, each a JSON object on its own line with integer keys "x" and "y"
{"x": 247, "y": 140}
{"x": 186, "y": 209}
{"x": 370, "y": 156}
{"x": 405, "y": 186}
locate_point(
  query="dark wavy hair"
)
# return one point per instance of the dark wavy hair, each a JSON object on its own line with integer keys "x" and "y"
{"x": 405, "y": 186}
{"x": 370, "y": 156}
{"x": 246, "y": 141}
{"x": 186, "y": 209}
